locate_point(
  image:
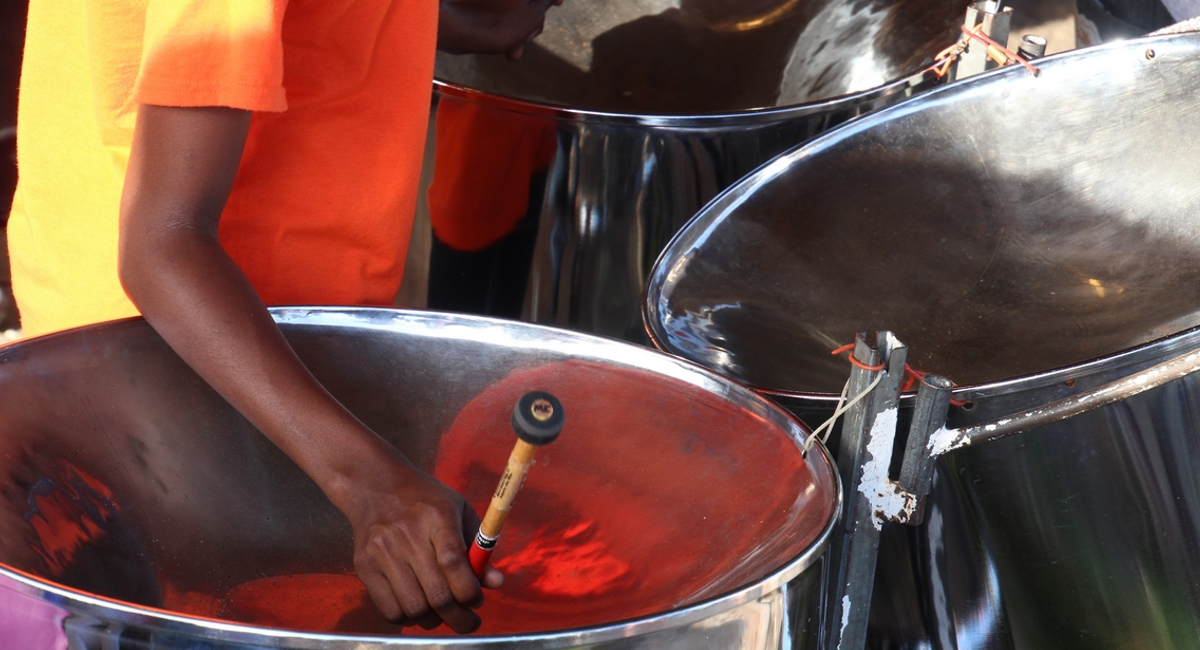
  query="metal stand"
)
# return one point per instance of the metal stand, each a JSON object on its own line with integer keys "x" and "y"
{"x": 974, "y": 59}
{"x": 871, "y": 497}
{"x": 868, "y": 436}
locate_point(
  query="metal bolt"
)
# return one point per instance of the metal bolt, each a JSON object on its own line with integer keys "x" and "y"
{"x": 1149, "y": 54}
{"x": 1032, "y": 47}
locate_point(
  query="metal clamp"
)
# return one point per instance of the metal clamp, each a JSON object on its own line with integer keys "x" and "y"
{"x": 868, "y": 438}
{"x": 865, "y": 453}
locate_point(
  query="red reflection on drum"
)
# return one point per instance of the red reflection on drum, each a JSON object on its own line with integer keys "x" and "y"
{"x": 321, "y": 602}
{"x": 568, "y": 564}
{"x": 66, "y": 514}
{"x": 658, "y": 494}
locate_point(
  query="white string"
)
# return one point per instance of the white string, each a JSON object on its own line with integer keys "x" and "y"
{"x": 842, "y": 407}
{"x": 827, "y": 424}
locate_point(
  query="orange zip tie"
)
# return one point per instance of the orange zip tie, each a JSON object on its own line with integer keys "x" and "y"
{"x": 978, "y": 35}
{"x": 915, "y": 375}
{"x": 946, "y": 58}
{"x": 847, "y": 348}
{"x": 995, "y": 51}
{"x": 945, "y": 68}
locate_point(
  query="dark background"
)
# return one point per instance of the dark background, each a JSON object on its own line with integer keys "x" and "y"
{"x": 12, "y": 39}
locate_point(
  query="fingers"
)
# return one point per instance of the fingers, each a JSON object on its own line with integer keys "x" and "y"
{"x": 411, "y": 594}
{"x": 395, "y": 590}
{"x": 382, "y": 595}
{"x": 433, "y": 584}
{"x": 450, "y": 584}
{"x": 515, "y": 53}
{"x": 413, "y": 558}
{"x": 535, "y": 15}
{"x": 443, "y": 603}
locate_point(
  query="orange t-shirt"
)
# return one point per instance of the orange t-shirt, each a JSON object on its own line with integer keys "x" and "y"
{"x": 322, "y": 207}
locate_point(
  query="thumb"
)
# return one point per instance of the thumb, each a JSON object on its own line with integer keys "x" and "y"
{"x": 492, "y": 578}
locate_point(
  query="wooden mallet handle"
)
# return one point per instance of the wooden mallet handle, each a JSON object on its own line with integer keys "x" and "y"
{"x": 537, "y": 419}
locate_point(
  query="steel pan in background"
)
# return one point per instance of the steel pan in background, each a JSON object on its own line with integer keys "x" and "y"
{"x": 557, "y": 180}
{"x": 1028, "y": 238}
{"x": 141, "y": 510}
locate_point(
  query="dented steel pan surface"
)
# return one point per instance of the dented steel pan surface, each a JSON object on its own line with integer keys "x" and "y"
{"x": 141, "y": 511}
{"x": 1027, "y": 237}
{"x": 554, "y": 182}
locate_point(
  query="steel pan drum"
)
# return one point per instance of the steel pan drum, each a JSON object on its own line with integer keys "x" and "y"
{"x": 141, "y": 511}
{"x": 557, "y": 180}
{"x": 1027, "y": 237}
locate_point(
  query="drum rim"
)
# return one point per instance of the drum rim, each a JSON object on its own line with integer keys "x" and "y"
{"x": 391, "y": 319}
{"x": 727, "y": 200}
{"x": 891, "y": 89}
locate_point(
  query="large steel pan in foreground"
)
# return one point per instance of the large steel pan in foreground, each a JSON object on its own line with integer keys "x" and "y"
{"x": 1028, "y": 238}
{"x": 558, "y": 179}
{"x": 141, "y": 511}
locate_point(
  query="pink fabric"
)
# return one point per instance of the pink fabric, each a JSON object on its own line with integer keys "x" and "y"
{"x": 27, "y": 623}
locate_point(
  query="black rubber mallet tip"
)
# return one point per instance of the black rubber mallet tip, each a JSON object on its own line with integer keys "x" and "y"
{"x": 538, "y": 418}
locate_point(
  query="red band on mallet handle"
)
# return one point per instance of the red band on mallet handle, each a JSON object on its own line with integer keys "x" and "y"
{"x": 537, "y": 420}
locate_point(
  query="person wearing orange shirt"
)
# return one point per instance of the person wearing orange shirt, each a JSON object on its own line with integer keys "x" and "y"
{"x": 197, "y": 160}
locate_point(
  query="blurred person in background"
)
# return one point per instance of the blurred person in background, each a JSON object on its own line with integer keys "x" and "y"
{"x": 197, "y": 160}
{"x": 12, "y": 39}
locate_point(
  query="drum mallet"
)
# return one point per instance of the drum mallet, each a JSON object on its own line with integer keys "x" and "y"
{"x": 537, "y": 420}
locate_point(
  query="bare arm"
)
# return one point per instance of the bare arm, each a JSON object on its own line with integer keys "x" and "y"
{"x": 490, "y": 26}
{"x": 409, "y": 543}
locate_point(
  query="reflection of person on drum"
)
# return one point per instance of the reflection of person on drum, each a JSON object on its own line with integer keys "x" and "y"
{"x": 705, "y": 56}
{"x": 173, "y": 115}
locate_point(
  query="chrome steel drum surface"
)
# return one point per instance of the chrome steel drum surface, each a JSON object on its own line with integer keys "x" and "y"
{"x": 140, "y": 509}
{"x": 691, "y": 57}
{"x": 557, "y": 180}
{"x": 1003, "y": 226}
{"x": 1027, "y": 238}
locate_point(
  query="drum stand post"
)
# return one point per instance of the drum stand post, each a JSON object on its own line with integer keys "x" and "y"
{"x": 983, "y": 45}
{"x": 994, "y": 22}
{"x": 872, "y": 498}
{"x": 865, "y": 453}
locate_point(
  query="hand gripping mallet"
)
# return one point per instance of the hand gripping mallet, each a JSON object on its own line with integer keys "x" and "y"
{"x": 537, "y": 420}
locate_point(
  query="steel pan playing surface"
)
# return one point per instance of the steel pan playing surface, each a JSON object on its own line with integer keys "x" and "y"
{"x": 670, "y": 492}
